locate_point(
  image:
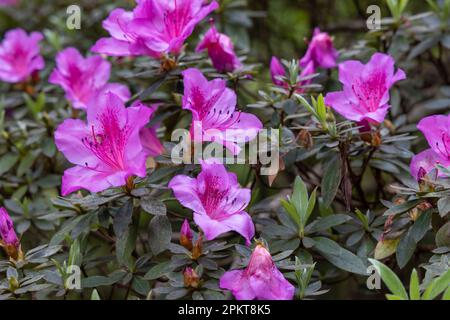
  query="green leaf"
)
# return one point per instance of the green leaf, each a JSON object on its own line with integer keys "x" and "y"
{"x": 390, "y": 279}
{"x": 331, "y": 180}
{"x": 311, "y": 205}
{"x": 424, "y": 46}
{"x": 48, "y": 147}
{"x": 292, "y": 212}
{"x": 393, "y": 297}
{"x": 122, "y": 218}
{"x": 153, "y": 206}
{"x": 177, "y": 294}
{"x": 147, "y": 93}
{"x": 443, "y": 206}
{"x": 7, "y": 162}
{"x": 446, "y": 295}
{"x": 386, "y": 248}
{"x": 300, "y": 198}
{"x": 340, "y": 257}
{"x": 98, "y": 281}
{"x": 437, "y": 286}
{"x": 443, "y": 236}
{"x": 363, "y": 218}
{"x": 125, "y": 246}
{"x": 405, "y": 249}
{"x": 401, "y": 208}
{"x": 75, "y": 257}
{"x": 414, "y": 290}
{"x": 158, "y": 271}
{"x": 25, "y": 164}
{"x": 408, "y": 244}
{"x": 328, "y": 222}
{"x": 421, "y": 226}
{"x": 140, "y": 285}
{"x": 95, "y": 295}
{"x": 159, "y": 234}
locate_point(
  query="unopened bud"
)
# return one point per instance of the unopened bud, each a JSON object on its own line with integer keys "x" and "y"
{"x": 191, "y": 278}
{"x": 186, "y": 235}
{"x": 304, "y": 138}
{"x": 197, "y": 249}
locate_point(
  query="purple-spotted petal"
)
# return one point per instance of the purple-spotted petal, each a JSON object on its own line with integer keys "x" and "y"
{"x": 426, "y": 161}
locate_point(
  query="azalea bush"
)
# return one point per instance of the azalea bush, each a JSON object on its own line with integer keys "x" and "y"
{"x": 324, "y": 162}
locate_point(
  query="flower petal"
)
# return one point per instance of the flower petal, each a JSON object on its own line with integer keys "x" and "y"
{"x": 79, "y": 177}
{"x": 185, "y": 190}
{"x": 68, "y": 140}
{"x": 239, "y": 286}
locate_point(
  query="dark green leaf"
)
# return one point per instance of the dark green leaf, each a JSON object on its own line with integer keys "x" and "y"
{"x": 159, "y": 234}
{"x": 331, "y": 180}
{"x": 153, "y": 206}
{"x": 340, "y": 257}
{"x": 122, "y": 218}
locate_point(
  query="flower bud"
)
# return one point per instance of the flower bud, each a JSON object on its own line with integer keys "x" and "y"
{"x": 305, "y": 139}
{"x": 186, "y": 235}
{"x": 191, "y": 278}
{"x": 197, "y": 249}
{"x": 260, "y": 280}
{"x": 9, "y": 240}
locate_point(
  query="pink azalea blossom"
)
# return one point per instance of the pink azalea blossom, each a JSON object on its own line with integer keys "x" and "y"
{"x": 83, "y": 78}
{"x": 261, "y": 279}
{"x": 321, "y": 51}
{"x": 277, "y": 70}
{"x": 4, "y": 3}
{"x": 20, "y": 56}
{"x": 437, "y": 132}
{"x": 7, "y": 233}
{"x": 149, "y": 138}
{"x": 106, "y": 150}
{"x": 366, "y": 89}
{"x": 220, "y": 50}
{"x": 217, "y": 200}
{"x": 154, "y": 28}
{"x": 214, "y": 114}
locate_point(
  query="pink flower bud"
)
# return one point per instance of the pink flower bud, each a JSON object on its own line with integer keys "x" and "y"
{"x": 260, "y": 280}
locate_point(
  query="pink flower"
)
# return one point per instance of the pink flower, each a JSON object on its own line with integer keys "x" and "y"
{"x": 220, "y": 49}
{"x": 217, "y": 200}
{"x": 321, "y": 51}
{"x": 83, "y": 78}
{"x": 437, "y": 132}
{"x": 154, "y": 28}
{"x": 7, "y": 233}
{"x": 20, "y": 56}
{"x": 260, "y": 280}
{"x": 366, "y": 89}
{"x": 4, "y": 3}
{"x": 277, "y": 70}
{"x": 149, "y": 138}
{"x": 214, "y": 114}
{"x": 107, "y": 149}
